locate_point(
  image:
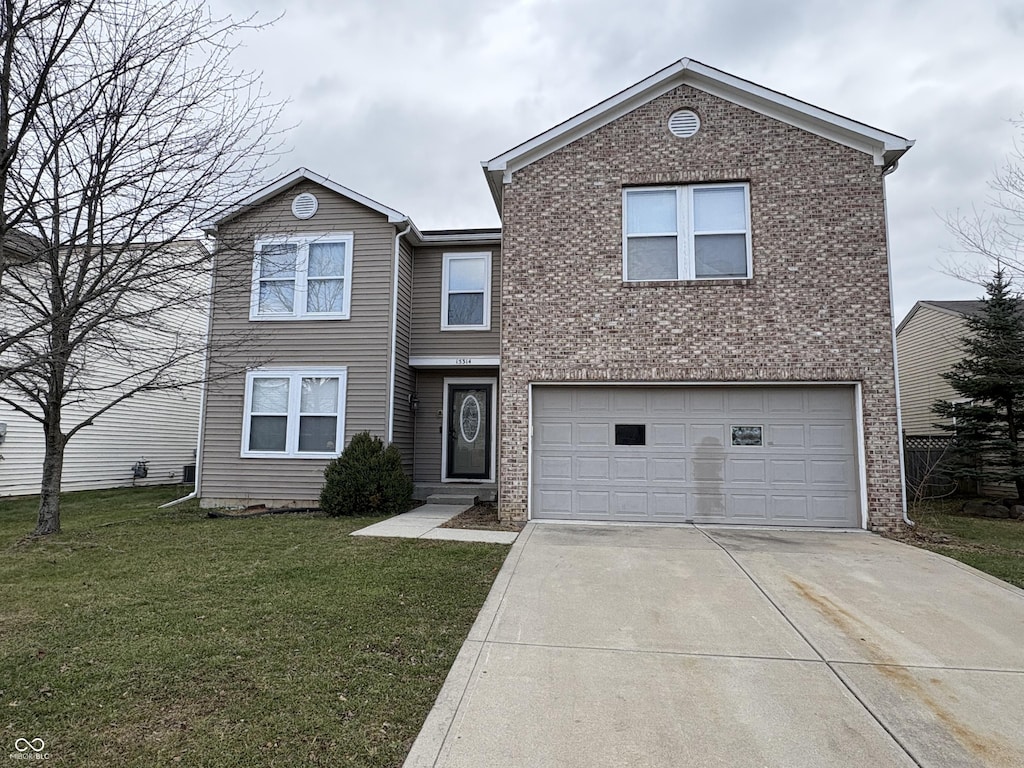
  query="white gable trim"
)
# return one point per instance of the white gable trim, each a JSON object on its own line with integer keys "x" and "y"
{"x": 301, "y": 174}
{"x": 885, "y": 148}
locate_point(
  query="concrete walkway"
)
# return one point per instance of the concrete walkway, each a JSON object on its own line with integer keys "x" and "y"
{"x": 423, "y": 523}
{"x": 611, "y": 646}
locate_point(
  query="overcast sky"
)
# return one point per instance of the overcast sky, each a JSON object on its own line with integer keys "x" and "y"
{"x": 401, "y": 100}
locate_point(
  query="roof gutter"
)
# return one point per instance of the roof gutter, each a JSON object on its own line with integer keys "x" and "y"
{"x": 394, "y": 329}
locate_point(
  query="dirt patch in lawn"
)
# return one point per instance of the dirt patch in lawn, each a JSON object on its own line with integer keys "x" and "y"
{"x": 482, "y": 517}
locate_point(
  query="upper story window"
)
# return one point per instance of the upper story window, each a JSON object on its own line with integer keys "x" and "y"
{"x": 307, "y": 277}
{"x": 696, "y": 232}
{"x": 294, "y": 413}
{"x": 466, "y": 292}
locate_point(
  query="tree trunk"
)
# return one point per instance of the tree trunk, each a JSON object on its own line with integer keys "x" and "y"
{"x": 48, "y": 520}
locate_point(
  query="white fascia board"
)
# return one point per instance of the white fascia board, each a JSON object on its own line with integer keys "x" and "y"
{"x": 300, "y": 174}
{"x": 884, "y": 147}
{"x": 461, "y": 238}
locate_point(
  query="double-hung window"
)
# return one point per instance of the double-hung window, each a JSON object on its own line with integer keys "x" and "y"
{"x": 695, "y": 232}
{"x": 294, "y": 413}
{"x": 307, "y": 277}
{"x": 466, "y": 292}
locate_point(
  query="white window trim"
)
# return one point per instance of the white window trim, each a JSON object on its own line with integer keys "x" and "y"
{"x": 301, "y": 273}
{"x": 684, "y": 233}
{"x": 447, "y": 259}
{"x": 295, "y": 375}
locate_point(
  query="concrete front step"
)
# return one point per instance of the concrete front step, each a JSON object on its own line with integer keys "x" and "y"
{"x": 482, "y": 491}
{"x": 453, "y": 499}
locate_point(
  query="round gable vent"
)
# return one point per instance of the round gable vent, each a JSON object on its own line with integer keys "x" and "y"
{"x": 684, "y": 123}
{"x": 304, "y": 206}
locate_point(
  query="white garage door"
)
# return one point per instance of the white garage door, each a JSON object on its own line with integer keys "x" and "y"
{"x": 773, "y": 455}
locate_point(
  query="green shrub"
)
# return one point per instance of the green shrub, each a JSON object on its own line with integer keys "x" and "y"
{"x": 366, "y": 479}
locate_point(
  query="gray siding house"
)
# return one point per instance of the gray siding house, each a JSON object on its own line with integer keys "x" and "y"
{"x": 684, "y": 318}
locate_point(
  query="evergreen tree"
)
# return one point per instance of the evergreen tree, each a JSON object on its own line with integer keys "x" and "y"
{"x": 988, "y": 433}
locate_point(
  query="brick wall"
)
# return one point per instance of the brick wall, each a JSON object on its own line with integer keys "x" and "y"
{"x": 816, "y": 309}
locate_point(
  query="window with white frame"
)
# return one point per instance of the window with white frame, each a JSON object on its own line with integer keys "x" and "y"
{"x": 294, "y": 413}
{"x": 308, "y": 277}
{"x": 466, "y": 292}
{"x": 695, "y": 232}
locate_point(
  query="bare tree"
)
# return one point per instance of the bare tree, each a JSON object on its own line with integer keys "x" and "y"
{"x": 124, "y": 127}
{"x": 994, "y": 231}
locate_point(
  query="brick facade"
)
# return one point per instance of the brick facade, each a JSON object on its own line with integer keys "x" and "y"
{"x": 817, "y": 308}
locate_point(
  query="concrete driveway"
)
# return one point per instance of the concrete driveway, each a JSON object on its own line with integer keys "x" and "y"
{"x": 676, "y": 646}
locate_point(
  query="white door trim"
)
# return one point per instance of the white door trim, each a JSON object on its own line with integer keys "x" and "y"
{"x": 444, "y": 428}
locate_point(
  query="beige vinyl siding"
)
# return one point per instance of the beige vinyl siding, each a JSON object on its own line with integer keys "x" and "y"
{"x": 926, "y": 346}
{"x": 429, "y": 423}
{"x": 427, "y": 337}
{"x": 361, "y": 344}
{"x": 405, "y": 376}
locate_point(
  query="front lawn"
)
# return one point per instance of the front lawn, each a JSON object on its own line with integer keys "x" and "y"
{"x": 993, "y": 546}
{"x": 144, "y": 637}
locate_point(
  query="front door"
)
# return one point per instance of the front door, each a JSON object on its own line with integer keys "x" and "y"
{"x": 468, "y": 430}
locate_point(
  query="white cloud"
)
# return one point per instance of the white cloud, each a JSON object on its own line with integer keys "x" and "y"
{"x": 402, "y": 99}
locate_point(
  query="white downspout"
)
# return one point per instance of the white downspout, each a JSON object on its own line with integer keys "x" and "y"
{"x": 202, "y": 408}
{"x": 394, "y": 332}
{"x": 895, "y": 361}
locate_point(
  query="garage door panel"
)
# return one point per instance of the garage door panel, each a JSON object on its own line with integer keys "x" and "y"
{"x": 787, "y": 471}
{"x": 791, "y": 509}
{"x": 553, "y": 433}
{"x": 593, "y": 434}
{"x": 707, "y": 435}
{"x": 785, "y": 400}
{"x": 630, "y": 504}
{"x": 669, "y": 506}
{"x": 747, "y": 471}
{"x": 668, "y": 470}
{"x": 786, "y": 436}
{"x": 667, "y": 435}
{"x": 594, "y": 505}
{"x": 708, "y": 470}
{"x": 748, "y": 507}
{"x": 555, "y": 503}
{"x": 554, "y": 468}
{"x": 630, "y": 469}
{"x": 829, "y": 436}
{"x": 686, "y": 468}
{"x": 746, "y": 401}
{"x": 830, "y": 473}
{"x": 593, "y": 468}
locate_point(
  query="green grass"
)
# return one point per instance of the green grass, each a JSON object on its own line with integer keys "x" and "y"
{"x": 993, "y": 546}
{"x": 144, "y": 637}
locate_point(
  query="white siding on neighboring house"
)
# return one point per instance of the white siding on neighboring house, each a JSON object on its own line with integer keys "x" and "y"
{"x": 159, "y": 427}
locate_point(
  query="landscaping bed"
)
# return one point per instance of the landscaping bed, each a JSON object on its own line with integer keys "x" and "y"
{"x": 483, "y": 517}
{"x": 145, "y": 637}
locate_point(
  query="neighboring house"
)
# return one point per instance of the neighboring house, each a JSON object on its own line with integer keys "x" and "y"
{"x": 927, "y": 346}
{"x": 157, "y": 428}
{"x": 685, "y": 318}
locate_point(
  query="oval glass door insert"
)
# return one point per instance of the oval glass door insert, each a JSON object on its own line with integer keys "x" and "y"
{"x": 469, "y": 419}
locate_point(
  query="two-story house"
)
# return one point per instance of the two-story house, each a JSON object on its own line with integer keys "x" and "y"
{"x": 685, "y": 317}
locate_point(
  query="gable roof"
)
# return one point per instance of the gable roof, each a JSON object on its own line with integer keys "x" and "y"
{"x": 290, "y": 180}
{"x": 962, "y": 308}
{"x": 886, "y": 148}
